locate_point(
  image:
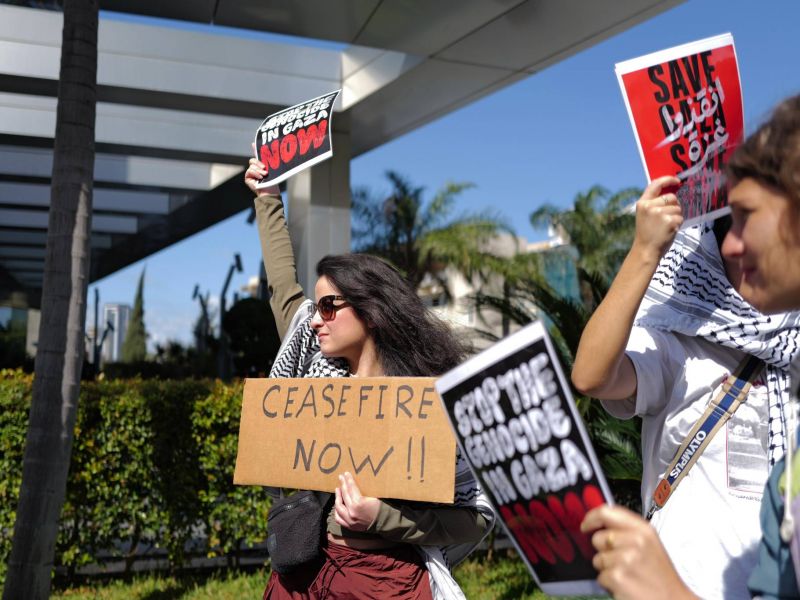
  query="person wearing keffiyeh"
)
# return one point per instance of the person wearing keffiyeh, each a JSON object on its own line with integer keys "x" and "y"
{"x": 764, "y": 175}
{"x": 668, "y": 334}
{"x": 367, "y": 322}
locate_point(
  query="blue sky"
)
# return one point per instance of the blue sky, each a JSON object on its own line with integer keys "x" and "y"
{"x": 571, "y": 131}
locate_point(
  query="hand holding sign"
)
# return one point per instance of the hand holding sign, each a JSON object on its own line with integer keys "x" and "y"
{"x": 255, "y": 173}
{"x": 253, "y": 176}
{"x": 658, "y": 218}
{"x": 630, "y": 560}
{"x": 354, "y": 511}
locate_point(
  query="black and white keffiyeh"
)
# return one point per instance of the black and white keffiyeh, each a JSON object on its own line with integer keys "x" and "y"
{"x": 300, "y": 356}
{"x": 690, "y": 294}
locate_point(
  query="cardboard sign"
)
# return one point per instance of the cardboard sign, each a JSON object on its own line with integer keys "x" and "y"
{"x": 389, "y": 432}
{"x": 295, "y": 138}
{"x": 517, "y": 424}
{"x": 685, "y": 105}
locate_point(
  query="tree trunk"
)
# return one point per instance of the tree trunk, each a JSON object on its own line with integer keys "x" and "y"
{"x": 59, "y": 355}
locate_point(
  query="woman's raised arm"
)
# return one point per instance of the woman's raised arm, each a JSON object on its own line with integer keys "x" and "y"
{"x": 601, "y": 369}
{"x": 286, "y": 294}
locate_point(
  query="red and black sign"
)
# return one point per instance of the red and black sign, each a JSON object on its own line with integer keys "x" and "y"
{"x": 685, "y": 105}
{"x": 517, "y": 424}
{"x": 295, "y": 138}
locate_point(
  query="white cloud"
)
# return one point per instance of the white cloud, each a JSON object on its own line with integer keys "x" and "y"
{"x": 162, "y": 327}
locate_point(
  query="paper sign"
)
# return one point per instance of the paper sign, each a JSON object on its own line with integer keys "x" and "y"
{"x": 295, "y": 138}
{"x": 390, "y": 433}
{"x": 517, "y": 424}
{"x": 685, "y": 105}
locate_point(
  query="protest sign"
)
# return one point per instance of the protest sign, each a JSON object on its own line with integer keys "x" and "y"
{"x": 295, "y": 138}
{"x": 685, "y": 106}
{"x": 516, "y": 422}
{"x": 389, "y": 432}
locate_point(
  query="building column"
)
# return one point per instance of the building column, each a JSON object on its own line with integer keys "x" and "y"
{"x": 319, "y": 211}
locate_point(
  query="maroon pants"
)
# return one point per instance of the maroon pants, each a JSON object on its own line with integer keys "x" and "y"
{"x": 351, "y": 574}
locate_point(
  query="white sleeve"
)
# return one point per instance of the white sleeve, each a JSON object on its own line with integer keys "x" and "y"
{"x": 657, "y": 358}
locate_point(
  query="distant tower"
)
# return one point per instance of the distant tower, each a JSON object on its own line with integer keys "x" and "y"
{"x": 118, "y": 315}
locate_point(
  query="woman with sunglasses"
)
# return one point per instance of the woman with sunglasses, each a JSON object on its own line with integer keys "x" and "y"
{"x": 366, "y": 322}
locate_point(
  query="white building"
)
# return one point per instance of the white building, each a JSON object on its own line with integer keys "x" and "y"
{"x": 118, "y": 315}
{"x": 456, "y": 304}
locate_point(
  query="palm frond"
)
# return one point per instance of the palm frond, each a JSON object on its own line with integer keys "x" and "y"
{"x": 421, "y": 238}
{"x": 440, "y": 208}
{"x": 518, "y": 312}
{"x": 618, "y": 446}
{"x": 545, "y": 215}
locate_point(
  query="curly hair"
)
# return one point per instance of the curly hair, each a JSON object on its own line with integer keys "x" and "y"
{"x": 771, "y": 155}
{"x": 410, "y": 340}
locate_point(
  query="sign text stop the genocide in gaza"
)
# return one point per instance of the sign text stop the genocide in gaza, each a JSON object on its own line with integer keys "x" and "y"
{"x": 390, "y": 433}
{"x": 518, "y": 426}
{"x": 529, "y": 451}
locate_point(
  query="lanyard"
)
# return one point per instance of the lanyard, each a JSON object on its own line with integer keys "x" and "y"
{"x": 733, "y": 392}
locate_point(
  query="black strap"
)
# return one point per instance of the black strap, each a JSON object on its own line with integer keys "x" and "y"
{"x": 276, "y": 493}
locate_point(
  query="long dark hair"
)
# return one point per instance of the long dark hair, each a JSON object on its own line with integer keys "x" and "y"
{"x": 410, "y": 340}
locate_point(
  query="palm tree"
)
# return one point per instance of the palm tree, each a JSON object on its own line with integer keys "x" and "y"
{"x": 597, "y": 225}
{"x": 59, "y": 354}
{"x": 601, "y": 231}
{"x": 421, "y": 239}
{"x": 527, "y": 296}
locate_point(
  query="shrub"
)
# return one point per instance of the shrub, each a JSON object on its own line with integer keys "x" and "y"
{"x": 15, "y": 393}
{"x": 152, "y": 467}
{"x": 234, "y": 516}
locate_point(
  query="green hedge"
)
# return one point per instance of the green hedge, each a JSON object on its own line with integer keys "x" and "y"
{"x": 152, "y": 465}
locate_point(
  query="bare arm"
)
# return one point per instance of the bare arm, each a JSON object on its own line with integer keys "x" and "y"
{"x": 286, "y": 294}
{"x": 601, "y": 369}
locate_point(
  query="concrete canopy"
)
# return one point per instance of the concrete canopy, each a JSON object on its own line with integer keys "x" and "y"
{"x": 177, "y": 107}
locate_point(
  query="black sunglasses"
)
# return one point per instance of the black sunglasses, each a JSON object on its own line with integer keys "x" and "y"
{"x": 327, "y": 309}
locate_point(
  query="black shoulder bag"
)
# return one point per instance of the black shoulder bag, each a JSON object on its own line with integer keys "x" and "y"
{"x": 296, "y": 528}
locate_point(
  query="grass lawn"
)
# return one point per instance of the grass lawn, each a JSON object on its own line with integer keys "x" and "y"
{"x": 226, "y": 585}
{"x": 504, "y": 578}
